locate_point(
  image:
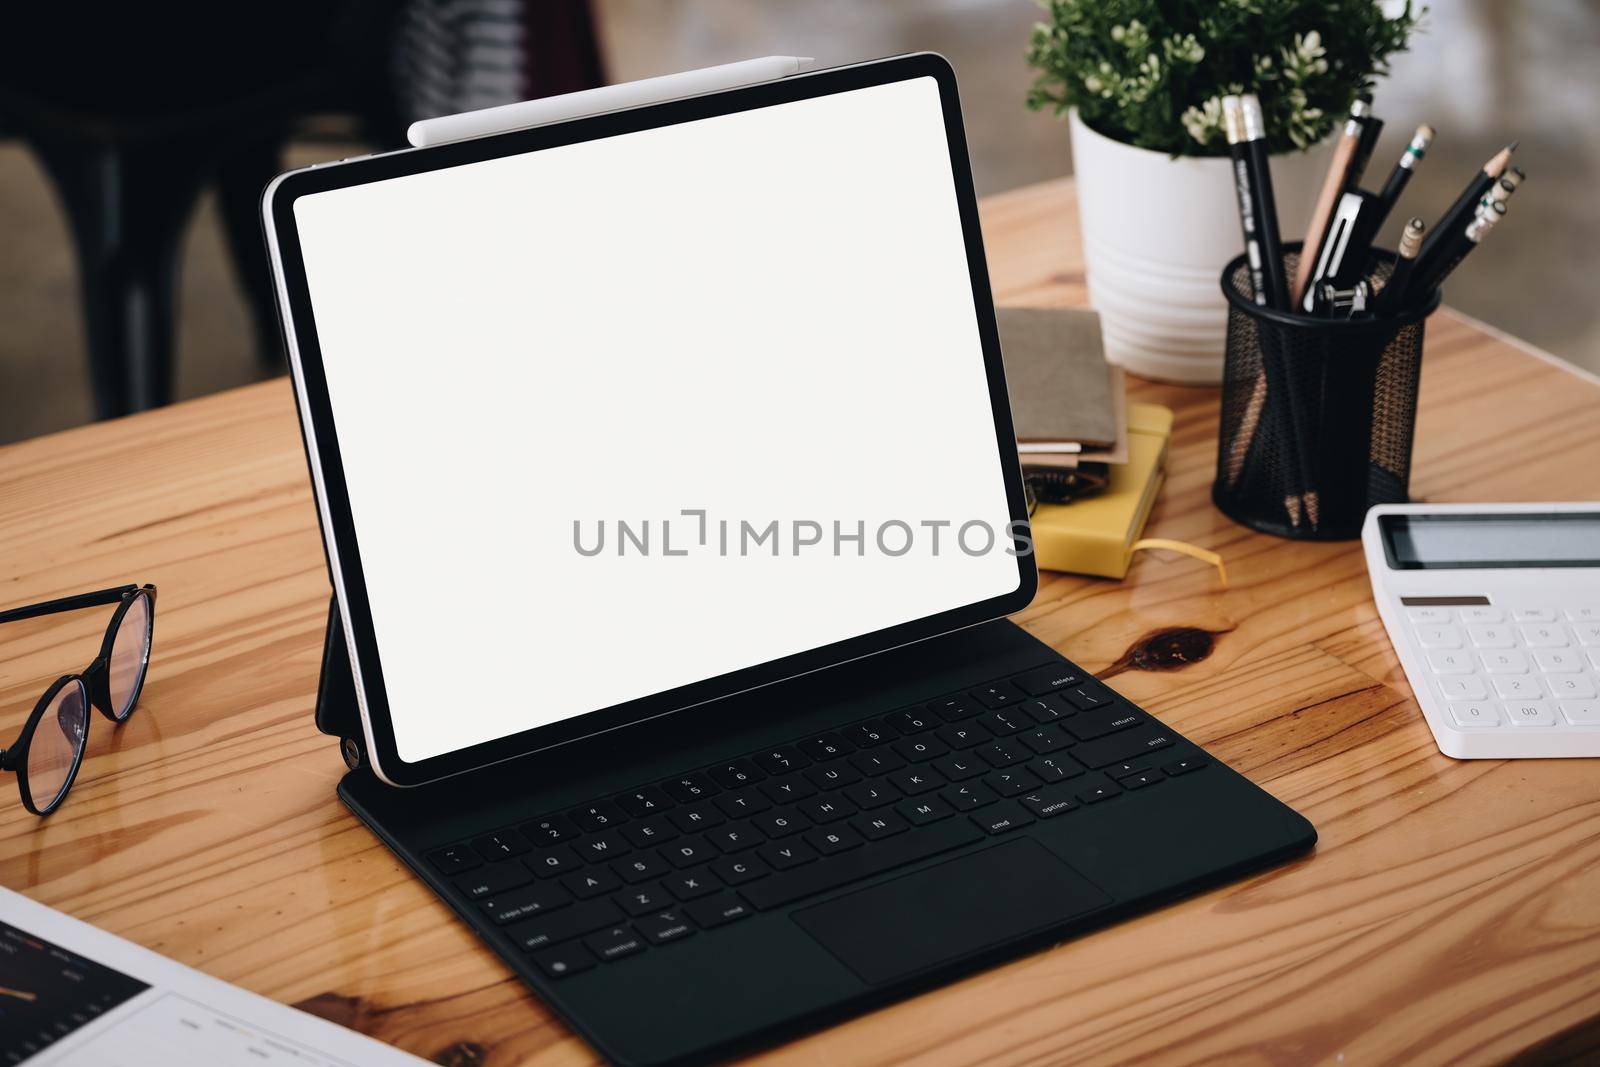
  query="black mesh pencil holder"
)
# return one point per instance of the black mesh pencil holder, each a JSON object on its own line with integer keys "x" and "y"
{"x": 1317, "y": 413}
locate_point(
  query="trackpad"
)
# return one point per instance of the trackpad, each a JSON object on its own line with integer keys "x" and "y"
{"x": 950, "y": 910}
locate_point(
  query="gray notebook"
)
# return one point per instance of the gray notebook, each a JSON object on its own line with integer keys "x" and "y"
{"x": 1058, "y": 379}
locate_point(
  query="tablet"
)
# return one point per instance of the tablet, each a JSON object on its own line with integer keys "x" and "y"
{"x": 615, "y": 417}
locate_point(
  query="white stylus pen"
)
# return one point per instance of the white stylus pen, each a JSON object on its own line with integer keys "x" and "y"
{"x": 606, "y": 98}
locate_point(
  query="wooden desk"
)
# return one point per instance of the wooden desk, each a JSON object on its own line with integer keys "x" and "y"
{"x": 1451, "y": 912}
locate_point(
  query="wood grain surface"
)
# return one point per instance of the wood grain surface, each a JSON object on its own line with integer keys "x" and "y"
{"x": 1450, "y": 914}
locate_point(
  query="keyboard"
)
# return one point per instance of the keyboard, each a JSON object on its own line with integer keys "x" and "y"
{"x": 694, "y": 853}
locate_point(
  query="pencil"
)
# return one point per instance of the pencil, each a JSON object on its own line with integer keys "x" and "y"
{"x": 1394, "y": 290}
{"x": 1401, "y": 174}
{"x": 1454, "y": 221}
{"x": 1333, "y": 187}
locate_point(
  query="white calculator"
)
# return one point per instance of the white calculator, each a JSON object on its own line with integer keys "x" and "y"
{"x": 1494, "y": 610}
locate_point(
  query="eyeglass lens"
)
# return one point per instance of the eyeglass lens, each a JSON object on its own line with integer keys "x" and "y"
{"x": 57, "y": 739}
{"x": 130, "y": 655}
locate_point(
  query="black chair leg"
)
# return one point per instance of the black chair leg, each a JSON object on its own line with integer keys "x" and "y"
{"x": 127, "y": 206}
{"x": 242, "y": 173}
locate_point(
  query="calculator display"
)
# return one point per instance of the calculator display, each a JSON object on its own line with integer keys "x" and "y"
{"x": 1555, "y": 539}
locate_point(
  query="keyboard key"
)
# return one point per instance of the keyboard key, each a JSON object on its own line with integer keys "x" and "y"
{"x": 914, "y": 780}
{"x": 872, "y": 794}
{"x": 835, "y": 775}
{"x": 565, "y": 960}
{"x": 880, "y": 761}
{"x": 968, "y": 796}
{"x": 585, "y": 917}
{"x": 829, "y": 808}
{"x": 1471, "y": 714}
{"x": 665, "y": 927}
{"x": 1581, "y": 712}
{"x": 1095, "y": 792}
{"x": 1055, "y": 768}
{"x": 1438, "y": 636}
{"x": 641, "y": 867}
{"x": 692, "y": 884}
{"x": 736, "y": 837}
{"x": 912, "y": 721}
{"x": 1429, "y": 616}
{"x": 1504, "y": 662}
{"x": 1491, "y": 637}
{"x": 1044, "y": 740}
{"x": 737, "y": 870}
{"x": 1480, "y": 615}
{"x": 867, "y": 734}
{"x": 1087, "y": 697}
{"x": 1048, "y": 679}
{"x": 1534, "y": 614}
{"x": 875, "y": 826}
{"x": 655, "y": 830}
{"x": 601, "y": 816}
{"x": 1141, "y": 779}
{"x": 508, "y": 844}
{"x": 597, "y": 847}
{"x": 789, "y": 788}
{"x": 1003, "y": 753}
{"x": 920, "y": 747}
{"x": 525, "y": 903}
{"x": 959, "y": 766}
{"x": 830, "y": 840}
{"x": 455, "y": 859}
{"x": 954, "y": 709}
{"x": 922, "y": 812}
{"x": 1451, "y": 662}
{"x": 1528, "y": 713}
{"x": 781, "y": 822}
{"x": 549, "y": 862}
{"x": 696, "y": 817}
{"x": 826, "y": 747}
{"x": 963, "y": 735}
{"x": 781, "y": 760}
{"x": 1004, "y": 816}
{"x": 998, "y": 695}
{"x": 1182, "y": 766}
{"x": 1009, "y": 783}
{"x": 591, "y": 883}
{"x": 1005, "y": 723}
{"x": 1521, "y": 686}
{"x": 495, "y": 878}
{"x": 1462, "y": 687}
{"x": 1093, "y": 724}
{"x": 744, "y": 802}
{"x": 1047, "y": 805}
{"x": 853, "y": 866}
{"x": 783, "y": 855}
{"x": 614, "y": 943}
{"x": 643, "y": 802}
{"x": 1586, "y": 613}
{"x": 1574, "y": 686}
{"x": 718, "y": 910}
{"x": 688, "y": 852}
{"x": 1538, "y": 635}
{"x": 688, "y": 788}
{"x": 1558, "y": 660}
{"x": 550, "y": 831}
{"x": 1121, "y": 770}
{"x": 736, "y": 774}
{"x": 1047, "y": 710}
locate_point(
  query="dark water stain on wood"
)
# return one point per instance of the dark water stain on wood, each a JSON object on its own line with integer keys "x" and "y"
{"x": 462, "y": 1054}
{"x": 1166, "y": 650}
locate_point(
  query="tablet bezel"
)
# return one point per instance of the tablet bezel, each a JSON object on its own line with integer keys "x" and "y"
{"x": 321, "y": 440}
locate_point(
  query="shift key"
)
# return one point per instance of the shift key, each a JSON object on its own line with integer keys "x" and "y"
{"x": 1124, "y": 746}
{"x": 563, "y": 925}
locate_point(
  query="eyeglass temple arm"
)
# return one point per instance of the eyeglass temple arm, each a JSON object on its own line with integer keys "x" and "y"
{"x": 68, "y": 603}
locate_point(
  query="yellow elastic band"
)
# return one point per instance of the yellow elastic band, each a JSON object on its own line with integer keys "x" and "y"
{"x": 1204, "y": 555}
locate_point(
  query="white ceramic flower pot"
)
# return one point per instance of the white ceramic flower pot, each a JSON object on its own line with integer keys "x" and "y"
{"x": 1156, "y": 234}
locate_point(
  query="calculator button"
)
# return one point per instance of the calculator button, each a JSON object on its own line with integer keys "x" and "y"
{"x": 1542, "y": 636}
{"x": 1439, "y": 637}
{"x": 1589, "y": 613}
{"x": 1518, "y": 685}
{"x": 1529, "y": 713}
{"x": 1581, "y": 712}
{"x": 1534, "y": 614}
{"x": 1504, "y": 662}
{"x": 1457, "y": 687}
{"x": 1450, "y": 662}
{"x": 1433, "y": 616}
{"x": 1491, "y": 637}
{"x": 1588, "y": 633}
{"x": 1557, "y": 661}
{"x": 1576, "y": 686}
{"x": 1474, "y": 615}
{"x": 1470, "y": 714}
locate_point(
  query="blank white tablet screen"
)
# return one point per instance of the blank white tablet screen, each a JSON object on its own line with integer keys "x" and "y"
{"x": 766, "y": 317}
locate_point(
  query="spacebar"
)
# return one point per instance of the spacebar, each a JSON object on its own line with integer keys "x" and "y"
{"x": 875, "y": 858}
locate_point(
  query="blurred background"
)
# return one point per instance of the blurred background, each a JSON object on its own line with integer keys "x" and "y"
{"x": 141, "y": 168}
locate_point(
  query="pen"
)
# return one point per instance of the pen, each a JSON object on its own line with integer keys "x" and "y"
{"x": 1333, "y": 186}
{"x": 1394, "y": 291}
{"x": 1401, "y": 174}
{"x": 1371, "y": 128}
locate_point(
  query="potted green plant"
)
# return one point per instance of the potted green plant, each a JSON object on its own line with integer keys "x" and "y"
{"x": 1141, "y": 82}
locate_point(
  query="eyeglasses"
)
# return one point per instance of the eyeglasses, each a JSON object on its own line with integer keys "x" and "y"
{"x": 47, "y": 755}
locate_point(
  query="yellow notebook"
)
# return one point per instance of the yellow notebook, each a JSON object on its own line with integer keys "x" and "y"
{"x": 1096, "y": 535}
